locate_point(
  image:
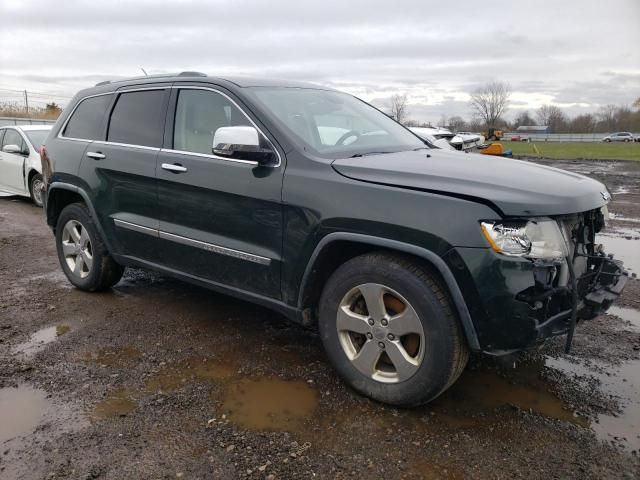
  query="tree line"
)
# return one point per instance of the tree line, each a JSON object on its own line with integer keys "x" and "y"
{"x": 489, "y": 102}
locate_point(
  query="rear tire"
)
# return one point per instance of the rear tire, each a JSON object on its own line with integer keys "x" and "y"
{"x": 363, "y": 343}
{"x": 83, "y": 256}
{"x": 36, "y": 189}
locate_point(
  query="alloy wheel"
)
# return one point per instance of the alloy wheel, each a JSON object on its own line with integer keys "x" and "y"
{"x": 77, "y": 249}
{"x": 38, "y": 191}
{"x": 380, "y": 333}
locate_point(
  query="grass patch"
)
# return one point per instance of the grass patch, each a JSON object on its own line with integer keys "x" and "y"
{"x": 576, "y": 150}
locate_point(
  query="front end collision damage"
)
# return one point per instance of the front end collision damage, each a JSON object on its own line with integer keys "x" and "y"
{"x": 528, "y": 300}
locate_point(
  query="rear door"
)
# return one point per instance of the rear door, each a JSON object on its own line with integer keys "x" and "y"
{"x": 220, "y": 219}
{"x": 12, "y": 164}
{"x": 121, "y": 169}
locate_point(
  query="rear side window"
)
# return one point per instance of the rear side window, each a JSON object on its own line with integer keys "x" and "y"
{"x": 86, "y": 120}
{"x": 137, "y": 119}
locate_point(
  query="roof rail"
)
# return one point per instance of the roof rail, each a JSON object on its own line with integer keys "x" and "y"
{"x": 160, "y": 75}
{"x": 192, "y": 74}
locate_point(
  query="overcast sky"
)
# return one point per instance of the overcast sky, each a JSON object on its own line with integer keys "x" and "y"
{"x": 578, "y": 54}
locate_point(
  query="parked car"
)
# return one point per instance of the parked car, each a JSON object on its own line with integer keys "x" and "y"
{"x": 20, "y": 168}
{"x": 405, "y": 257}
{"x": 619, "y": 137}
{"x": 434, "y": 137}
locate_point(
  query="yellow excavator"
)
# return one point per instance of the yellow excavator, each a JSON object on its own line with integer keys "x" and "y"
{"x": 493, "y": 134}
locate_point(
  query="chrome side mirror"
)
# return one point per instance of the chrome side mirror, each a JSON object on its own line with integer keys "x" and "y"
{"x": 242, "y": 143}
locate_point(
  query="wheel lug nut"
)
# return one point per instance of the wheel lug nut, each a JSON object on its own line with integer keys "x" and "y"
{"x": 381, "y": 344}
{"x": 371, "y": 322}
{"x": 384, "y": 322}
{"x": 369, "y": 335}
{"x": 391, "y": 336}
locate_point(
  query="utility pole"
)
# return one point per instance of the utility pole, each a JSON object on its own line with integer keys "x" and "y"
{"x": 26, "y": 101}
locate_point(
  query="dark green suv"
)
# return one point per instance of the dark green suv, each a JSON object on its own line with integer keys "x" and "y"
{"x": 313, "y": 203}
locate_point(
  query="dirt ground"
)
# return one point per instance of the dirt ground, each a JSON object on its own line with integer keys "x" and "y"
{"x": 160, "y": 379}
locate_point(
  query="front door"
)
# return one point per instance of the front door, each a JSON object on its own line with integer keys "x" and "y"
{"x": 220, "y": 219}
{"x": 12, "y": 164}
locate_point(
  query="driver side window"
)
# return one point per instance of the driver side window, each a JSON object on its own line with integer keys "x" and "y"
{"x": 199, "y": 113}
{"x": 11, "y": 137}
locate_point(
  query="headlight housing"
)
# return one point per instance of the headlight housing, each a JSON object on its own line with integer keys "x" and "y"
{"x": 533, "y": 238}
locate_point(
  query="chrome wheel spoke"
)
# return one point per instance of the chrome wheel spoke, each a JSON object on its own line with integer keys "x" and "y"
{"x": 77, "y": 269}
{"x": 405, "y": 323}
{"x": 87, "y": 258}
{"x": 373, "y": 297}
{"x": 72, "y": 230}
{"x": 84, "y": 238}
{"x": 69, "y": 249}
{"x": 349, "y": 321}
{"x": 367, "y": 358}
{"x": 405, "y": 365}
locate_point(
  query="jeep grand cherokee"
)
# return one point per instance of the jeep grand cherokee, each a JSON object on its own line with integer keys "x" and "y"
{"x": 313, "y": 203}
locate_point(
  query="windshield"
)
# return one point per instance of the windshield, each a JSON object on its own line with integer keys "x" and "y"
{"x": 36, "y": 137}
{"x": 335, "y": 124}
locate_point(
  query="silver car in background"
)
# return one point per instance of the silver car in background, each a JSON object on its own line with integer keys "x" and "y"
{"x": 619, "y": 137}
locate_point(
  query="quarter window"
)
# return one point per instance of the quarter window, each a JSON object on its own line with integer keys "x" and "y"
{"x": 137, "y": 118}
{"x": 86, "y": 122}
{"x": 199, "y": 113}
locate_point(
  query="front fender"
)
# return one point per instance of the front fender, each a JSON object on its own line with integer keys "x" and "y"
{"x": 431, "y": 257}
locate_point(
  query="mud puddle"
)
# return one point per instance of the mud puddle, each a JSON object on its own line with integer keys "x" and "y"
{"x": 119, "y": 403}
{"x": 113, "y": 357}
{"x": 40, "y": 339}
{"x": 623, "y": 383}
{"x": 174, "y": 377}
{"x": 21, "y": 411}
{"x": 622, "y": 249}
{"x": 630, "y": 315}
{"x": 270, "y": 404}
{"x": 523, "y": 389}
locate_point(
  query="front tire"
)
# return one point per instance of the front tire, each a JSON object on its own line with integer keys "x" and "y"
{"x": 390, "y": 331}
{"x": 36, "y": 189}
{"x": 82, "y": 253}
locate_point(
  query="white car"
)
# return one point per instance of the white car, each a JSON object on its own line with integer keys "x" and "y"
{"x": 20, "y": 168}
{"x": 435, "y": 136}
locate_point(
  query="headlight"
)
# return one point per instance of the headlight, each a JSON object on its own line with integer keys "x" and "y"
{"x": 535, "y": 238}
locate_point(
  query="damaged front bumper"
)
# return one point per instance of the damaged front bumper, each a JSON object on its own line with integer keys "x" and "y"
{"x": 516, "y": 303}
{"x": 597, "y": 290}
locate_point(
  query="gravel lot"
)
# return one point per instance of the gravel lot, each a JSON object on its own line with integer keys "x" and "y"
{"x": 160, "y": 379}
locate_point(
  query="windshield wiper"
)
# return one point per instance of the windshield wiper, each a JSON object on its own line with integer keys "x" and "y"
{"x": 368, "y": 153}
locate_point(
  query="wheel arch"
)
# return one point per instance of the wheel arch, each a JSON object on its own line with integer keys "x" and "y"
{"x": 324, "y": 261}
{"x": 61, "y": 194}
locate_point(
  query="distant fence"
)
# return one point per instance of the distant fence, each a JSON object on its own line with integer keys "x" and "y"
{"x": 4, "y": 121}
{"x": 560, "y": 137}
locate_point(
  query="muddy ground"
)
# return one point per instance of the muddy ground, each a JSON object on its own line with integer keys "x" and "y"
{"x": 159, "y": 379}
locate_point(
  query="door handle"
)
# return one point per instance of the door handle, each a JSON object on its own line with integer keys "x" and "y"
{"x": 174, "y": 167}
{"x": 96, "y": 155}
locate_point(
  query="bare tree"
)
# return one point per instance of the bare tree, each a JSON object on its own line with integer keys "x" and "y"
{"x": 552, "y": 117}
{"x": 399, "y": 108}
{"x": 524, "y": 119}
{"x": 636, "y": 104}
{"x": 490, "y": 101}
{"x": 608, "y": 117}
{"x": 457, "y": 123}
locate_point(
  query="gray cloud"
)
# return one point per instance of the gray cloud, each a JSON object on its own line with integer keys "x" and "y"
{"x": 577, "y": 53}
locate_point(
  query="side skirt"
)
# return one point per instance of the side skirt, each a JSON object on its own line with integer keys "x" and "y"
{"x": 292, "y": 313}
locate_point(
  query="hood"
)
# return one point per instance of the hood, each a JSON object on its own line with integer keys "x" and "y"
{"x": 513, "y": 187}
